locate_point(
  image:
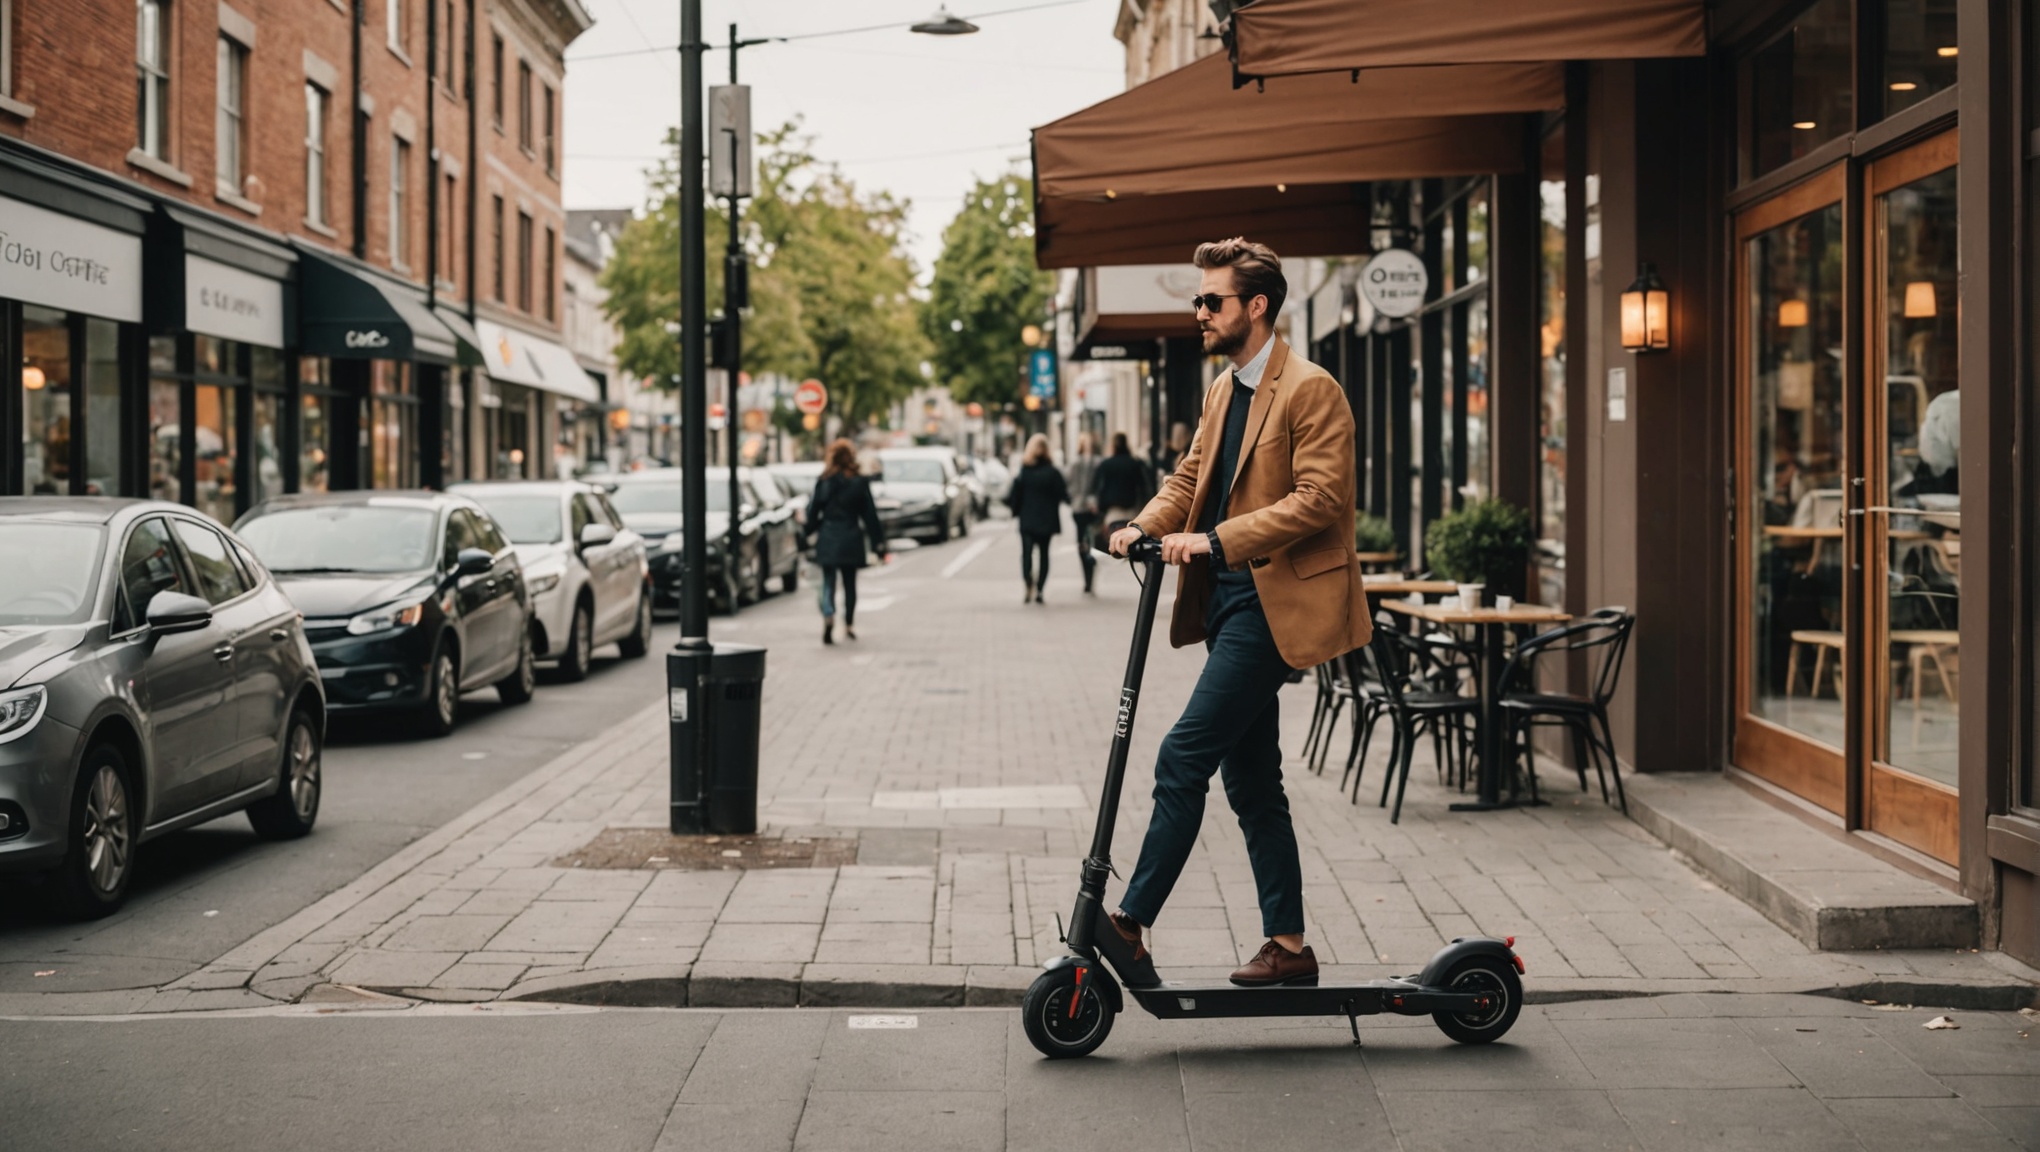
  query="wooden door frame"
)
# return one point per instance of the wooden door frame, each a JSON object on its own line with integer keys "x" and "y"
{"x": 1921, "y": 814}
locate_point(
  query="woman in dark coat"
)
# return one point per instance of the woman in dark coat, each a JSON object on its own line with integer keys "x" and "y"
{"x": 841, "y": 517}
{"x": 1036, "y": 500}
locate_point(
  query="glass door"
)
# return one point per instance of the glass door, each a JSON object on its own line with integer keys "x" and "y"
{"x": 1792, "y": 725}
{"x": 1912, "y": 520}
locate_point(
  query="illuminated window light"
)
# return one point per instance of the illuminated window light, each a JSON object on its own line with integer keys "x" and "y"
{"x": 1804, "y": 125}
{"x": 1945, "y": 53}
{"x": 1903, "y": 86}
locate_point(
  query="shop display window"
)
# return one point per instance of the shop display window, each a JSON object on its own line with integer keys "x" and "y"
{"x": 103, "y": 460}
{"x": 1797, "y": 90}
{"x": 1919, "y": 51}
{"x": 46, "y": 400}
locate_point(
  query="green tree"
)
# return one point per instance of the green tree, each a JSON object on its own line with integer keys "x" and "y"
{"x": 829, "y": 281}
{"x": 985, "y": 290}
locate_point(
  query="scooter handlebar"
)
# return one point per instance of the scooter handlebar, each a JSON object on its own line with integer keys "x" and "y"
{"x": 1147, "y": 549}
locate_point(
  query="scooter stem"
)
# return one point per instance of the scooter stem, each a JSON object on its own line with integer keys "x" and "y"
{"x": 1098, "y": 865}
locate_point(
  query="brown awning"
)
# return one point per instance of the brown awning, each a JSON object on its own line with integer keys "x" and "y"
{"x": 1293, "y": 37}
{"x": 1144, "y": 177}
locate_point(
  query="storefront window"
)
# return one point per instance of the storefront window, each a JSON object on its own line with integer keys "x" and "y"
{"x": 166, "y": 462}
{"x": 46, "y": 400}
{"x": 453, "y": 438}
{"x": 1477, "y": 232}
{"x": 313, "y": 435}
{"x": 102, "y": 408}
{"x": 1797, "y": 89}
{"x": 1551, "y": 393}
{"x": 1478, "y": 482}
{"x": 393, "y": 426}
{"x": 1919, "y": 51}
{"x": 215, "y": 449}
{"x": 1794, "y": 318}
{"x": 266, "y": 434}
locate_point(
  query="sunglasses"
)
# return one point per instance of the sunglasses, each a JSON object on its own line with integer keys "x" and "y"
{"x": 1212, "y": 302}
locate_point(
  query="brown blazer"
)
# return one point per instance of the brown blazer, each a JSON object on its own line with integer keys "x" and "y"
{"x": 1290, "y": 519}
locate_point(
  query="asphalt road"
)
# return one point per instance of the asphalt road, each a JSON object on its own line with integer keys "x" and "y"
{"x": 199, "y": 892}
{"x": 1716, "y": 1073}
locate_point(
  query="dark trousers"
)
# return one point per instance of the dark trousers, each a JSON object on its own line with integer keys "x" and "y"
{"x": 1087, "y": 526}
{"x": 1229, "y": 727}
{"x": 828, "y": 592}
{"x": 1032, "y": 545}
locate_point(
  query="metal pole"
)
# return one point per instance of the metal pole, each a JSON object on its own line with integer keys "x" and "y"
{"x": 693, "y": 328}
{"x": 732, "y": 317}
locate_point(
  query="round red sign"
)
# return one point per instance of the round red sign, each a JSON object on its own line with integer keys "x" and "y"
{"x": 811, "y": 397}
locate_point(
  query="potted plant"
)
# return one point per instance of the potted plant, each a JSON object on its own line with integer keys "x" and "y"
{"x": 1487, "y": 542}
{"x": 1373, "y": 534}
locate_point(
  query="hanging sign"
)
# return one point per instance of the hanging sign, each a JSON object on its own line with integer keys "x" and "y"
{"x": 1395, "y": 282}
{"x": 63, "y": 262}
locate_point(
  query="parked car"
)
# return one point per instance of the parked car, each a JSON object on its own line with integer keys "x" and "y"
{"x": 921, "y": 494}
{"x": 998, "y": 479}
{"x": 585, "y": 568}
{"x": 768, "y": 538}
{"x": 152, "y": 677}
{"x": 980, "y": 496}
{"x": 799, "y": 478}
{"x": 410, "y": 598}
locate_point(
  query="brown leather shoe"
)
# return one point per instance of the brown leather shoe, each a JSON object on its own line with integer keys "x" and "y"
{"x": 1274, "y": 964}
{"x": 1129, "y": 931}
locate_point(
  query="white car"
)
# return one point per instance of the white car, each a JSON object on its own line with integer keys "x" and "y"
{"x": 587, "y": 573}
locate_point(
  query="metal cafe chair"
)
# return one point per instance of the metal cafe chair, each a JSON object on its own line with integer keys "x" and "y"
{"x": 1602, "y": 637}
{"x": 1415, "y": 710}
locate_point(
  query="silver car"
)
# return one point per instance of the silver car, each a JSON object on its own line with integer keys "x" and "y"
{"x": 152, "y": 677}
{"x": 589, "y": 581}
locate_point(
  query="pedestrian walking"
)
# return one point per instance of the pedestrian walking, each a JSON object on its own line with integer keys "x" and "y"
{"x": 1269, "y": 581}
{"x": 841, "y": 518}
{"x": 1121, "y": 485}
{"x": 1039, "y": 492}
{"x": 1084, "y": 505}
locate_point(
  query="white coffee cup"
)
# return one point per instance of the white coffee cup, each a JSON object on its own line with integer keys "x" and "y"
{"x": 1504, "y": 603}
{"x": 1469, "y": 596}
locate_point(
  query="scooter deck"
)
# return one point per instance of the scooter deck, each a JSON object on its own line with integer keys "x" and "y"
{"x": 1173, "y": 1001}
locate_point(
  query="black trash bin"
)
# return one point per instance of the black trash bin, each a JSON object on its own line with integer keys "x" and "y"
{"x": 720, "y": 689}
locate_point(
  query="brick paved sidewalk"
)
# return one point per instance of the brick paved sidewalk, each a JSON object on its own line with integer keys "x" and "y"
{"x": 960, "y": 742}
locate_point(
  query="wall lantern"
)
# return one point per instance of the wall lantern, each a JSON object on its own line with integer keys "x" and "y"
{"x": 1919, "y": 300}
{"x": 1646, "y": 312}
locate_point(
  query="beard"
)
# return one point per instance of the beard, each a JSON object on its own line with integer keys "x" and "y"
{"x": 1221, "y": 341}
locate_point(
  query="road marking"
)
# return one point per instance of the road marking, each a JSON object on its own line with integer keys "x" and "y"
{"x": 976, "y": 549}
{"x": 885, "y": 1022}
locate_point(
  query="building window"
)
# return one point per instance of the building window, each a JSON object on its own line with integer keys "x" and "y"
{"x": 152, "y": 77}
{"x": 229, "y": 124}
{"x": 450, "y": 37}
{"x": 6, "y": 47}
{"x": 315, "y": 154}
{"x": 449, "y": 232}
{"x": 400, "y": 214}
{"x": 1797, "y": 89}
{"x": 1919, "y": 51}
{"x": 496, "y": 82}
{"x": 524, "y": 106}
{"x": 546, "y": 131}
{"x": 399, "y": 28}
{"x": 551, "y": 301}
{"x": 524, "y": 261}
{"x": 497, "y": 242}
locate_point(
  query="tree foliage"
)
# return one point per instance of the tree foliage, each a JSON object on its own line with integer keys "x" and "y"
{"x": 985, "y": 290}
{"x": 830, "y": 280}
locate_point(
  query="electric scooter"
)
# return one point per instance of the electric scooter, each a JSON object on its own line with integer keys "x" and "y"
{"x": 1472, "y": 988}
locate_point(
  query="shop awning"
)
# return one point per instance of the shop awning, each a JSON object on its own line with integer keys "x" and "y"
{"x": 1294, "y": 37}
{"x": 517, "y": 357}
{"x": 350, "y": 310}
{"x": 1123, "y": 309}
{"x": 464, "y": 336}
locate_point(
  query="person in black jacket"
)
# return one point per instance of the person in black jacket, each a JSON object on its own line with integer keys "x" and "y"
{"x": 1121, "y": 485}
{"x": 841, "y": 517}
{"x": 1038, "y": 495}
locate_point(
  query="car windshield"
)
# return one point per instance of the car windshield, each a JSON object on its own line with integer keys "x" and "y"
{"x": 640, "y": 499}
{"x": 912, "y": 471}
{"x": 343, "y": 538}
{"x": 526, "y": 519}
{"x": 803, "y": 483}
{"x": 57, "y": 587}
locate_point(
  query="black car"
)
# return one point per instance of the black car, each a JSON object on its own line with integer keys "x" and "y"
{"x": 920, "y": 493}
{"x": 768, "y": 537}
{"x": 410, "y": 598}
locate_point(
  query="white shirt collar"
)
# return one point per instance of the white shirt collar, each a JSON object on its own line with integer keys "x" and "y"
{"x": 1249, "y": 374}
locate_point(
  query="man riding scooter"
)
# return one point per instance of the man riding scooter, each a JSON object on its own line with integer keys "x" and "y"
{"x": 1259, "y": 514}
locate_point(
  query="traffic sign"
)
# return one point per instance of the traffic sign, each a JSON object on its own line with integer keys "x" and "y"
{"x": 811, "y": 397}
{"x": 1041, "y": 373}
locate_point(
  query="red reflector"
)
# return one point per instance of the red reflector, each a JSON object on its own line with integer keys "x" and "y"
{"x": 1509, "y": 940}
{"x": 1519, "y": 964}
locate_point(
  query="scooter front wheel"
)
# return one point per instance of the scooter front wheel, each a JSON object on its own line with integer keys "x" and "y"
{"x": 1491, "y": 975}
{"x": 1065, "y": 1016}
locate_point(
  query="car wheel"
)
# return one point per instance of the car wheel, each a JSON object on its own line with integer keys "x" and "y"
{"x": 942, "y": 530}
{"x": 636, "y": 645}
{"x": 791, "y": 581}
{"x": 522, "y": 682}
{"x": 442, "y": 693}
{"x": 762, "y": 586}
{"x": 295, "y": 808}
{"x": 93, "y": 879}
{"x": 963, "y": 525}
{"x": 580, "y": 650}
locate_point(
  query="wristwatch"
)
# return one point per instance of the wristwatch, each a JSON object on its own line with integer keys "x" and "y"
{"x": 1217, "y": 549}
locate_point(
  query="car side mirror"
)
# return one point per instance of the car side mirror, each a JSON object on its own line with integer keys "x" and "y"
{"x": 172, "y": 612}
{"x": 473, "y": 562}
{"x": 746, "y": 511}
{"x": 595, "y": 535}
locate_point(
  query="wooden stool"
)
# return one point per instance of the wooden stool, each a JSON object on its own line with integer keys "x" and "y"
{"x": 1822, "y": 643}
{"x": 1941, "y": 646}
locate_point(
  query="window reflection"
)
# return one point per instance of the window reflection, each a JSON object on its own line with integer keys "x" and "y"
{"x": 46, "y": 400}
{"x": 1797, "y": 89}
{"x": 1919, "y": 51}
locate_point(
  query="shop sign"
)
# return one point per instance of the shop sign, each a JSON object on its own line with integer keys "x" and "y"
{"x": 367, "y": 338}
{"x": 1395, "y": 282}
{"x": 63, "y": 262}
{"x": 224, "y": 301}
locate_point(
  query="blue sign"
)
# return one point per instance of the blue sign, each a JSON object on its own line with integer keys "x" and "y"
{"x": 1041, "y": 373}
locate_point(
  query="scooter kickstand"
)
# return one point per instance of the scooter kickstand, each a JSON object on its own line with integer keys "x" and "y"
{"x": 1353, "y": 1021}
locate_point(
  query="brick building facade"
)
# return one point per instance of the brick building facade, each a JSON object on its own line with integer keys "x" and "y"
{"x": 325, "y": 242}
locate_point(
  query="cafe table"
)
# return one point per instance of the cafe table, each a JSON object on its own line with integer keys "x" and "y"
{"x": 1378, "y": 561}
{"x": 1377, "y": 588}
{"x": 1493, "y": 624}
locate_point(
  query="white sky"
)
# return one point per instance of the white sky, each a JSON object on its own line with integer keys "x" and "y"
{"x": 921, "y": 116}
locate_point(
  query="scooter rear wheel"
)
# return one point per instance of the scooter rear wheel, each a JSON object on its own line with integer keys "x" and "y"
{"x": 1065, "y": 1019}
{"x": 1492, "y": 975}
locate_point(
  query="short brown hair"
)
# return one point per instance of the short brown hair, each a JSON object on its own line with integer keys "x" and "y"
{"x": 1256, "y": 269}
